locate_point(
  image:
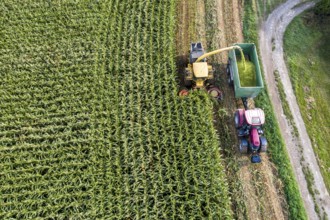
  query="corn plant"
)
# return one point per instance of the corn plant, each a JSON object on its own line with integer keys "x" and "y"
{"x": 90, "y": 122}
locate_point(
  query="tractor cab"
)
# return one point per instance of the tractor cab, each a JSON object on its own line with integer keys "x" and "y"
{"x": 247, "y": 119}
{"x": 249, "y": 127}
{"x": 255, "y": 117}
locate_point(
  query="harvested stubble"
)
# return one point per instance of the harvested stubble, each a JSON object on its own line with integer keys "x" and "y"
{"x": 91, "y": 125}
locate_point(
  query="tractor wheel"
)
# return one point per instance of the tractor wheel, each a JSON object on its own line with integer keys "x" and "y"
{"x": 237, "y": 119}
{"x": 243, "y": 146}
{"x": 263, "y": 144}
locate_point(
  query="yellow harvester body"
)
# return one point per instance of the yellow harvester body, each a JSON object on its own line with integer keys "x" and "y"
{"x": 198, "y": 70}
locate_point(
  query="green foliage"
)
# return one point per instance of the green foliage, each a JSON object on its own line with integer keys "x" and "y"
{"x": 277, "y": 150}
{"x": 285, "y": 104}
{"x": 236, "y": 187}
{"x": 91, "y": 125}
{"x": 250, "y": 23}
{"x": 306, "y": 44}
{"x": 266, "y": 7}
{"x": 323, "y": 7}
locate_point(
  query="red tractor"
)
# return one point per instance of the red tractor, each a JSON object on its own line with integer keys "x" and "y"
{"x": 249, "y": 128}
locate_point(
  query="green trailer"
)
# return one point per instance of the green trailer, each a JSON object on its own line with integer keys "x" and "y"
{"x": 234, "y": 77}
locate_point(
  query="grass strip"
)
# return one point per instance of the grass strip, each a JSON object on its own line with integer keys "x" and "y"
{"x": 307, "y": 57}
{"x": 277, "y": 150}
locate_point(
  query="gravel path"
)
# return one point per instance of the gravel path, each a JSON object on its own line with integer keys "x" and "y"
{"x": 271, "y": 48}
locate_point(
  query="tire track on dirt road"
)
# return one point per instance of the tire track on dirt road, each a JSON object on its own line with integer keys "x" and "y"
{"x": 270, "y": 36}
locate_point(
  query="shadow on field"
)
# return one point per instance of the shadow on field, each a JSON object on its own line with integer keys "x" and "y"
{"x": 181, "y": 63}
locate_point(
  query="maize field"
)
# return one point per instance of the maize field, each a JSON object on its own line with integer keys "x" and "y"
{"x": 91, "y": 126}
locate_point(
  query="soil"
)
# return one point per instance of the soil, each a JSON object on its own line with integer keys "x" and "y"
{"x": 271, "y": 49}
{"x": 261, "y": 190}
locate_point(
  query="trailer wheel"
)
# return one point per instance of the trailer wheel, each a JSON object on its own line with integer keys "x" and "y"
{"x": 243, "y": 146}
{"x": 230, "y": 82}
{"x": 229, "y": 76}
{"x": 263, "y": 144}
{"x": 229, "y": 73}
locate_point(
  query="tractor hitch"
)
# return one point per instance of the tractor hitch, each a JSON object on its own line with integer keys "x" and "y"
{"x": 255, "y": 158}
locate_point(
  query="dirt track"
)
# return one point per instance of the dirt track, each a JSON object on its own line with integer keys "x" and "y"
{"x": 261, "y": 190}
{"x": 271, "y": 35}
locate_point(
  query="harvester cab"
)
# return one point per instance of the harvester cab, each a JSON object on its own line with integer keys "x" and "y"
{"x": 249, "y": 127}
{"x": 196, "y": 50}
{"x": 198, "y": 73}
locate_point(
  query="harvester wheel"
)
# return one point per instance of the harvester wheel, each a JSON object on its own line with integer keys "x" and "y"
{"x": 243, "y": 146}
{"x": 263, "y": 143}
{"x": 183, "y": 92}
{"x": 215, "y": 92}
